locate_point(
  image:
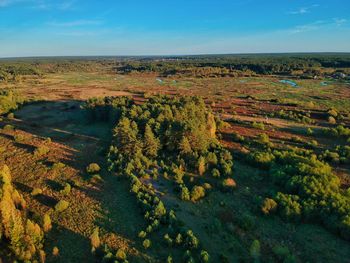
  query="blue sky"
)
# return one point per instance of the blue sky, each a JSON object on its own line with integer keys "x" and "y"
{"x": 135, "y": 27}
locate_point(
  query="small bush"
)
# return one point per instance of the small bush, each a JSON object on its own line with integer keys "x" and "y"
{"x": 61, "y": 206}
{"x": 121, "y": 255}
{"x": 8, "y": 127}
{"x": 197, "y": 193}
{"x": 67, "y": 189}
{"x": 41, "y": 150}
{"x": 332, "y": 120}
{"x": 146, "y": 243}
{"x": 269, "y": 205}
{"x": 93, "y": 168}
{"x": 228, "y": 184}
{"x": 55, "y": 251}
{"x": 36, "y": 191}
{"x": 258, "y": 125}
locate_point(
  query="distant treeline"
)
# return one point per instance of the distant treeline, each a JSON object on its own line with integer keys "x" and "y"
{"x": 300, "y": 65}
{"x": 306, "y": 65}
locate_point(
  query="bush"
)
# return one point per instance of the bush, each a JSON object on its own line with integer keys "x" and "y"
{"x": 332, "y": 120}
{"x": 185, "y": 193}
{"x": 8, "y": 127}
{"x": 41, "y": 150}
{"x": 121, "y": 255}
{"x": 215, "y": 173}
{"x": 95, "y": 239}
{"x": 146, "y": 243}
{"x": 255, "y": 250}
{"x": 197, "y": 193}
{"x": 269, "y": 205}
{"x": 61, "y": 206}
{"x": 228, "y": 184}
{"x": 93, "y": 168}
{"x": 67, "y": 189}
{"x": 205, "y": 256}
{"x": 36, "y": 191}
{"x": 258, "y": 125}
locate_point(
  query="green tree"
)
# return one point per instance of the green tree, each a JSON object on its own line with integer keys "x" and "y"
{"x": 151, "y": 143}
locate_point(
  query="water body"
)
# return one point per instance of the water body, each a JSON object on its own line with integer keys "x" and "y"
{"x": 289, "y": 82}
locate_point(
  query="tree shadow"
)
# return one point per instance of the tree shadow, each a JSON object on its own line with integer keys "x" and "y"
{"x": 46, "y": 200}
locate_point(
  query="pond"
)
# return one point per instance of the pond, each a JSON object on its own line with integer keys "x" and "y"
{"x": 289, "y": 82}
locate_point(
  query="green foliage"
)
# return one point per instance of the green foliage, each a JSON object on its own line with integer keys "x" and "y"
{"x": 93, "y": 168}
{"x": 41, "y": 151}
{"x": 61, "y": 206}
{"x": 258, "y": 125}
{"x": 255, "y": 250}
{"x": 197, "y": 193}
{"x": 146, "y": 243}
{"x": 66, "y": 190}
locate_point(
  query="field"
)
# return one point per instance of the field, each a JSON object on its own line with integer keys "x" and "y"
{"x": 50, "y": 139}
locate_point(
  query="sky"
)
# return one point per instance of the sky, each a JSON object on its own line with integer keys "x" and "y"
{"x": 177, "y": 27}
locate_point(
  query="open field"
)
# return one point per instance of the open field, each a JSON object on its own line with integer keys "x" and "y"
{"x": 50, "y": 140}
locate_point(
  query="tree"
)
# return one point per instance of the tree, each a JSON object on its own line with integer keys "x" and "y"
{"x": 151, "y": 143}
{"x": 47, "y": 225}
{"x": 185, "y": 146}
{"x": 269, "y": 205}
{"x": 201, "y": 165}
{"x": 95, "y": 239}
{"x": 197, "y": 193}
{"x": 255, "y": 251}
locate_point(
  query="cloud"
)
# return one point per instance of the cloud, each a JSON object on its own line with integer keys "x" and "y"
{"x": 317, "y": 25}
{"x": 303, "y": 10}
{"x": 339, "y": 21}
{"x": 76, "y": 23}
{"x": 5, "y": 3}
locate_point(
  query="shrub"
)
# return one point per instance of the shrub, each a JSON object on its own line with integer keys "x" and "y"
{"x": 41, "y": 150}
{"x": 197, "y": 193}
{"x": 146, "y": 243}
{"x": 36, "y": 191}
{"x": 95, "y": 239}
{"x": 185, "y": 193}
{"x": 55, "y": 251}
{"x": 121, "y": 255}
{"x": 332, "y": 120}
{"x": 191, "y": 240}
{"x": 205, "y": 256}
{"x": 215, "y": 173}
{"x": 269, "y": 205}
{"x": 142, "y": 234}
{"x": 228, "y": 184}
{"x": 11, "y": 115}
{"x": 93, "y": 168}
{"x": 9, "y": 127}
{"x": 47, "y": 223}
{"x": 61, "y": 206}
{"x": 19, "y": 138}
{"x": 258, "y": 125}
{"x": 255, "y": 250}
{"x": 67, "y": 189}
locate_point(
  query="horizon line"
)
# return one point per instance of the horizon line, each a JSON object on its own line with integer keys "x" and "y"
{"x": 174, "y": 55}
